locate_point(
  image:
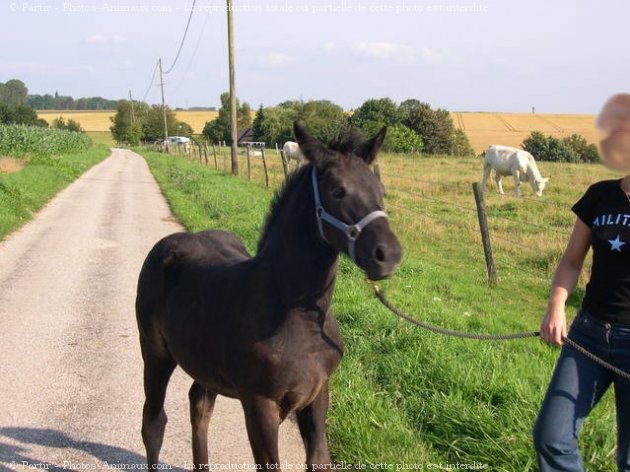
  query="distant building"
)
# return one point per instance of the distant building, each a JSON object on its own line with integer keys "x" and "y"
{"x": 245, "y": 136}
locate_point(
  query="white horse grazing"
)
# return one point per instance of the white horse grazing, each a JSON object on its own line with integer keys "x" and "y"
{"x": 291, "y": 152}
{"x": 520, "y": 164}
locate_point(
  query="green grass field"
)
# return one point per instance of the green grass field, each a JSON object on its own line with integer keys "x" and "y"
{"x": 403, "y": 395}
{"x": 102, "y": 137}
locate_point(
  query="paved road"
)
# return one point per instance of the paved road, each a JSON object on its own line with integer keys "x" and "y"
{"x": 70, "y": 366}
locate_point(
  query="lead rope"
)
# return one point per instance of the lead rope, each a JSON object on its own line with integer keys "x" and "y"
{"x": 489, "y": 337}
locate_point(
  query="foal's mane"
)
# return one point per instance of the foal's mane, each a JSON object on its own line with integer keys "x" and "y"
{"x": 291, "y": 183}
{"x": 347, "y": 142}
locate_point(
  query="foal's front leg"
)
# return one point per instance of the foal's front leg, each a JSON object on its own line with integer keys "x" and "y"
{"x": 262, "y": 418}
{"x": 312, "y": 423}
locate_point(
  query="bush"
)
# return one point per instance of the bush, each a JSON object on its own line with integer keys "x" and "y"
{"x": 17, "y": 140}
{"x": 70, "y": 125}
{"x": 376, "y": 110}
{"x": 411, "y": 123}
{"x": 461, "y": 145}
{"x": 324, "y": 119}
{"x": 21, "y": 115}
{"x": 399, "y": 138}
{"x": 572, "y": 148}
{"x": 402, "y": 139}
{"x": 586, "y": 151}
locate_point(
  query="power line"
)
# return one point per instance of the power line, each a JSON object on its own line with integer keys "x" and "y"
{"x": 181, "y": 44}
{"x": 194, "y": 54}
{"x": 151, "y": 83}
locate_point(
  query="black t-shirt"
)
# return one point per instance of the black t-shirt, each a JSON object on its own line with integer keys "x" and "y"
{"x": 606, "y": 210}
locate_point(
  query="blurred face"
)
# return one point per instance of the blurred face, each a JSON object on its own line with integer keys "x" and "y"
{"x": 615, "y": 151}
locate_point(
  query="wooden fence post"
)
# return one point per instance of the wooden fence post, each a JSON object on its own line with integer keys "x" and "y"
{"x": 265, "y": 167}
{"x": 214, "y": 155}
{"x": 224, "y": 160}
{"x": 205, "y": 153}
{"x": 485, "y": 233}
{"x": 284, "y": 163}
{"x": 249, "y": 164}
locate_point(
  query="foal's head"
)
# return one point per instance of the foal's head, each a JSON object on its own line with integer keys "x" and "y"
{"x": 350, "y": 210}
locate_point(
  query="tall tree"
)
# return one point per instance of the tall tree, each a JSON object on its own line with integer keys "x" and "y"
{"x": 378, "y": 110}
{"x": 434, "y": 126}
{"x": 219, "y": 128}
{"x": 13, "y": 93}
{"x": 148, "y": 124}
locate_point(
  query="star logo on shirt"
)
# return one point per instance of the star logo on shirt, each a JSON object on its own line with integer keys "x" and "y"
{"x": 615, "y": 244}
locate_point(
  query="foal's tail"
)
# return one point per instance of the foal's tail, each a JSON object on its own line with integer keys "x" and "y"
{"x": 151, "y": 289}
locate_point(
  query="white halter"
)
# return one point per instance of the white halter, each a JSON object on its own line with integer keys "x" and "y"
{"x": 352, "y": 232}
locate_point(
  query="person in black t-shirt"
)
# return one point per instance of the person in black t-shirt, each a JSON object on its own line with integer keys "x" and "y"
{"x": 602, "y": 325}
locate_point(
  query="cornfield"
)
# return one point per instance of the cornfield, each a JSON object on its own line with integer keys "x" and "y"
{"x": 17, "y": 140}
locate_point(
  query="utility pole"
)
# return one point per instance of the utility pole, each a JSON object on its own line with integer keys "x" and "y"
{"x": 132, "y": 117}
{"x": 233, "y": 121}
{"x": 163, "y": 106}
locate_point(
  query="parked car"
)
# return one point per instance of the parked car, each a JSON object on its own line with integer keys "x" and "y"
{"x": 177, "y": 140}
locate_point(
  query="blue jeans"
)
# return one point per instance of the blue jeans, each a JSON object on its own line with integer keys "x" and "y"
{"x": 576, "y": 386}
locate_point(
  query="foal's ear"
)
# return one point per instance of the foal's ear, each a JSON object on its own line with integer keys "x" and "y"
{"x": 312, "y": 149}
{"x": 370, "y": 148}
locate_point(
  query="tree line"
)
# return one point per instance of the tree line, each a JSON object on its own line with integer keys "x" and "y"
{"x": 65, "y": 102}
{"x": 412, "y": 125}
{"x": 15, "y": 109}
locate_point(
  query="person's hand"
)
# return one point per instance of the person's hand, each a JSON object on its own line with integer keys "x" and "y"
{"x": 554, "y": 326}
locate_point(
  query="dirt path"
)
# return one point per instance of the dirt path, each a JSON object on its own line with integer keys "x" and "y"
{"x": 70, "y": 366}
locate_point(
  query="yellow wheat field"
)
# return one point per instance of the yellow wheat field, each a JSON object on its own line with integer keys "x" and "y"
{"x": 481, "y": 128}
{"x": 97, "y": 120}
{"x": 510, "y": 129}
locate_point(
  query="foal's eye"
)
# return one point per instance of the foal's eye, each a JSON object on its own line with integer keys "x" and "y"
{"x": 339, "y": 192}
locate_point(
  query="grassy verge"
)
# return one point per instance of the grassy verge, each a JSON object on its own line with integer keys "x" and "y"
{"x": 403, "y": 395}
{"x": 24, "y": 192}
{"x": 102, "y": 137}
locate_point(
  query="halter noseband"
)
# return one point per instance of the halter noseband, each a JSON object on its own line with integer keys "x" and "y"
{"x": 352, "y": 232}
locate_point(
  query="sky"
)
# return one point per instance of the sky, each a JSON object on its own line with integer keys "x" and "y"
{"x": 559, "y": 56}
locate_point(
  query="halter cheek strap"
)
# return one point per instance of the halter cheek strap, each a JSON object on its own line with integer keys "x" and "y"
{"x": 353, "y": 231}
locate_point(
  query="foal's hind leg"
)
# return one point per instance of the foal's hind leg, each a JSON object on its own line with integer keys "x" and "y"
{"x": 262, "y": 418}
{"x": 312, "y": 423}
{"x": 201, "y": 406}
{"x": 157, "y": 373}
